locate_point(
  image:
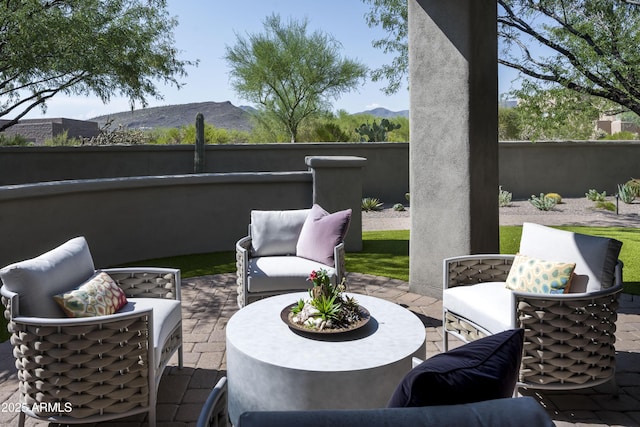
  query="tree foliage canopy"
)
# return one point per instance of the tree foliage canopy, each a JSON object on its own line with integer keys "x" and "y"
{"x": 291, "y": 74}
{"x": 588, "y": 46}
{"x": 392, "y": 16}
{"x": 553, "y": 114}
{"x": 84, "y": 47}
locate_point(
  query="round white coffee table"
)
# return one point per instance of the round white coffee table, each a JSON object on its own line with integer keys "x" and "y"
{"x": 272, "y": 367}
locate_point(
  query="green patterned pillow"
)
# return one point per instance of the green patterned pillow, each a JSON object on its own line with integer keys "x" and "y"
{"x": 98, "y": 296}
{"x": 539, "y": 276}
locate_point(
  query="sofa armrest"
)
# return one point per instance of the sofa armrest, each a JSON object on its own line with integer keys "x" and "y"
{"x": 147, "y": 282}
{"x": 474, "y": 269}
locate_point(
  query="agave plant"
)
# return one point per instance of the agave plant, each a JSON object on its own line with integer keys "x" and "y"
{"x": 626, "y": 193}
{"x": 371, "y": 204}
{"x": 327, "y": 306}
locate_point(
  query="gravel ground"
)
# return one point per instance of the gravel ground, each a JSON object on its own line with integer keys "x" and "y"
{"x": 572, "y": 211}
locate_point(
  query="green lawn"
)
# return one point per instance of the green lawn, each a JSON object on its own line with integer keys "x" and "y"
{"x": 386, "y": 253}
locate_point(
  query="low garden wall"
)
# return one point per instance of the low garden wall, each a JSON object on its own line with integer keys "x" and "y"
{"x": 568, "y": 168}
{"x": 129, "y": 219}
{"x": 385, "y": 176}
{"x": 136, "y": 218}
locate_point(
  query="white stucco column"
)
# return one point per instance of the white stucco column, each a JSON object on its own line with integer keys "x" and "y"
{"x": 454, "y": 144}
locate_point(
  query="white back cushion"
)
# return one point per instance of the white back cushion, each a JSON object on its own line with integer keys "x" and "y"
{"x": 276, "y": 232}
{"x": 37, "y": 280}
{"x": 595, "y": 257}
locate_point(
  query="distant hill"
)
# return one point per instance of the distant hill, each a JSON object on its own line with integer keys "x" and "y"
{"x": 223, "y": 115}
{"x": 383, "y": 113}
{"x": 219, "y": 114}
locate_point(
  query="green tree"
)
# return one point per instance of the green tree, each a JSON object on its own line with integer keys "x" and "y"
{"x": 290, "y": 74}
{"x": 588, "y": 46}
{"x": 555, "y": 114}
{"x": 392, "y": 16}
{"x": 508, "y": 124}
{"x": 84, "y": 47}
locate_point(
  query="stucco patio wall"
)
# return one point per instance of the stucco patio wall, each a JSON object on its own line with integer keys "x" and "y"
{"x": 386, "y": 175}
{"x": 136, "y": 218}
{"x": 129, "y": 219}
{"x": 568, "y": 168}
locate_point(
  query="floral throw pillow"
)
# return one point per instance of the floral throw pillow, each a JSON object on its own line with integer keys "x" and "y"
{"x": 98, "y": 296}
{"x": 539, "y": 276}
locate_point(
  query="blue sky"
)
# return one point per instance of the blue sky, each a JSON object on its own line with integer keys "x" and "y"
{"x": 207, "y": 26}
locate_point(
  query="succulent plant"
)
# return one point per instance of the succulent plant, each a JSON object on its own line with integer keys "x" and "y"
{"x": 504, "y": 197}
{"x": 399, "y": 207}
{"x": 371, "y": 204}
{"x": 594, "y": 196}
{"x": 626, "y": 193}
{"x": 542, "y": 202}
{"x": 376, "y": 132}
{"x": 634, "y": 183}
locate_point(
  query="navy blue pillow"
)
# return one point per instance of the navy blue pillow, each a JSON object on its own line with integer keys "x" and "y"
{"x": 483, "y": 369}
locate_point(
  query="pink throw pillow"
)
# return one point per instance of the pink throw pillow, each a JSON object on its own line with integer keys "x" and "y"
{"x": 321, "y": 233}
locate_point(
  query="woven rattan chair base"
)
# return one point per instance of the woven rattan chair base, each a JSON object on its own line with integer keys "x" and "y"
{"x": 568, "y": 340}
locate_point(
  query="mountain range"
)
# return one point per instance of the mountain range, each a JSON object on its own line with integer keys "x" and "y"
{"x": 222, "y": 115}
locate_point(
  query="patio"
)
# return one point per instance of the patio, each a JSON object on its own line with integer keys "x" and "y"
{"x": 209, "y": 302}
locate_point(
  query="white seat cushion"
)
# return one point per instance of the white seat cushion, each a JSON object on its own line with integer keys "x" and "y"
{"x": 167, "y": 314}
{"x": 490, "y": 305}
{"x": 595, "y": 257}
{"x": 282, "y": 273}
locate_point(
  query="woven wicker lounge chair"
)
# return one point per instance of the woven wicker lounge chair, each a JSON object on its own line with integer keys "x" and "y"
{"x": 272, "y": 259}
{"x": 89, "y": 369}
{"x": 569, "y": 337}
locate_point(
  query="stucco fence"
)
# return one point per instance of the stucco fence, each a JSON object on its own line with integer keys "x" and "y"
{"x": 568, "y": 168}
{"x": 142, "y": 202}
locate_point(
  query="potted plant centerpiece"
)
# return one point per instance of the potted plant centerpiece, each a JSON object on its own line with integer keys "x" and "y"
{"x": 327, "y": 309}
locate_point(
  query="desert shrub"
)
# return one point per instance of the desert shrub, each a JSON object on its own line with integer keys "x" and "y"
{"x": 542, "y": 202}
{"x": 621, "y": 136}
{"x": 13, "y": 141}
{"x": 594, "y": 196}
{"x": 187, "y": 135}
{"x": 504, "y": 197}
{"x": 371, "y": 204}
{"x": 62, "y": 140}
{"x": 608, "y": 206}
{"x": 119, "y": 136}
